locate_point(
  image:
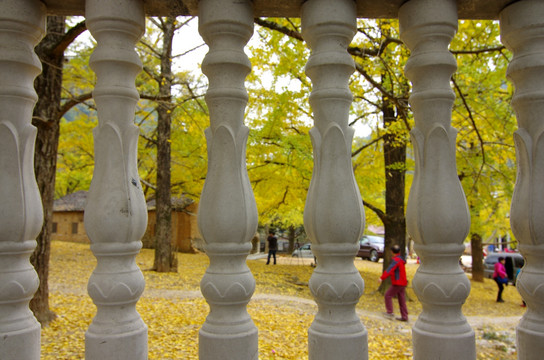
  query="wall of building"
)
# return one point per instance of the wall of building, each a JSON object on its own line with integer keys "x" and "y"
{"x": 69, "y": 226}
{"x": 185, "y": 234}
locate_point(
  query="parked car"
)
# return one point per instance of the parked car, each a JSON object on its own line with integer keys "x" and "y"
{"x": 305, "y": 251}
{"x": 512, "y": 263}
{"x": 371, "y": 247}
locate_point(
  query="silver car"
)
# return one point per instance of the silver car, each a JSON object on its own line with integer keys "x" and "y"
{"x": 305, "y": 251}
{"x": 512, "y": 263}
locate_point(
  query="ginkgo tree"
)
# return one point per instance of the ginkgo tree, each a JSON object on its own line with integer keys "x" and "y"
{"x": 486, "y": 123}
{"x": 383, "y": 161}
{"x": 279, "y": 153}
{"x": 284, "y": 59}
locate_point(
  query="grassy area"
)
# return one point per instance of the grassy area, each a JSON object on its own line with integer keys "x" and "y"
{"x": 174, "y": 319}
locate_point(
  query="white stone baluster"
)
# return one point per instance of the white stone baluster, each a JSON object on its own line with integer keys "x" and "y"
{"x": 115, "y": 215}
{"x": 334, "y": 216}
{"x": 227, "y": 215}
{"x": 22, "y": 25}
{"x": 437, "y": 212}
{"x": 522, "y": 31}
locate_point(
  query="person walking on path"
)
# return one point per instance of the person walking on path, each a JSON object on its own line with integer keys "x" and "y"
{"x": 397, "y": 272}
{"x": 272, "y": 246}
{"x": 500, "y": 277}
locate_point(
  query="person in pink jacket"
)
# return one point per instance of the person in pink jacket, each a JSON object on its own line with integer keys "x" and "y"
{"x": 500, "y": 277}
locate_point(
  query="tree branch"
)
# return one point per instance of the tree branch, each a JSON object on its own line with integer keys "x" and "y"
{"x": 64, "y": 108}
{"x": 480, "y": 139}
{"x": 383, "y": 217}
{"x": 63, "y": 43}
{"x": 356, "y": 152}
{"x": 277, "y": 27}
{"x": 478, "y": 51}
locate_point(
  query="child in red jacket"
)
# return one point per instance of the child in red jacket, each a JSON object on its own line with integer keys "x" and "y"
{"x": 397, "y": 272}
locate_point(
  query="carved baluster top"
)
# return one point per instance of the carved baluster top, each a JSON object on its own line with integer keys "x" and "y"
{"x": 227, "y": 211}
{"x": 328, "y": 30}
{"x": 522, "y": 31}
{"x": 116, "y": 209}
{"x": 437, "y": 211}
{"x": 333, "y": 212}
{"x": 226, "y": 65}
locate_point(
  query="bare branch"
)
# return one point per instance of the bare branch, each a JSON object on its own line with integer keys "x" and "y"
{"x": 68, "y": 38}
{"x": 356, "y": 152}
{"x": 64, "y": 108}
{"x": 478, "y": 51}
{"x": 277, "y": 27}
{"x": 480, "y": 139}
{"x": 378, "y": 212}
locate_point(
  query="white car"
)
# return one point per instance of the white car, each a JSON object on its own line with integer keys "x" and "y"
{"x": 305, "y": 251}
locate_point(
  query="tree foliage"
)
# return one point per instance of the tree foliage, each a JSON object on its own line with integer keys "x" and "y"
{"x": 189, "y": 119}
{"x": 279, "y": 155}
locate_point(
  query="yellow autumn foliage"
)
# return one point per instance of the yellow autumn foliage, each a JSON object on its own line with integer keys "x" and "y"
{"x": 282, "y": 309}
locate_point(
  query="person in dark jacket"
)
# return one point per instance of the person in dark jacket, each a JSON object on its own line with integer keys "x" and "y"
{"x": 272, "y": 246}
{"x": 397, "y": 272}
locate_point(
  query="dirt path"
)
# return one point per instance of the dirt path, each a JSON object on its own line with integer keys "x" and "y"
{"x": 309, "y": 306}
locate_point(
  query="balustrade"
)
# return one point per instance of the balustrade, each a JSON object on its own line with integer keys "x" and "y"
{"x": 437, "y": 215}
{"x": 115, "y": 216}
{"x": 227, "y": 214}
{"x": 522, "y": 31}
{"x": 116, "y": 213}
{"x": 22, "y": 25}
{"x": 333, "y": 216}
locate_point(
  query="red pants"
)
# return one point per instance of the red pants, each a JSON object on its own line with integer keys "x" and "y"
{"x": 401, "y": 295}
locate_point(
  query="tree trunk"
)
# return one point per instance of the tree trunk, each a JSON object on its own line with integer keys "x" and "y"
{"x": 291, "y": 240}
{"x": 477, "y": 258}
{"x": 165, "y": 260}
{"x": 48, "y": 86}
{"x": 394, "y": 150}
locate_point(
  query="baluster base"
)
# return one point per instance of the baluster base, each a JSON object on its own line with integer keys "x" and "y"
{"x": 446, "y": 346}
{"x": 222, "y": 347}
{"x": 336, "y": 286}
{"x": 441, "y": 330}
{"x": 22, "y": 344}
{"x": 227, "y": 286}
{"x": 128, "y": 346}
{"x": 529, "y": 343}
{"x": 530, "y": 330}
{"x": 324, "y": 346}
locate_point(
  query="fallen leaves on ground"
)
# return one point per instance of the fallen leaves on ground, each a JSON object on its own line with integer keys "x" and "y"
{"x": 282, "y": 309}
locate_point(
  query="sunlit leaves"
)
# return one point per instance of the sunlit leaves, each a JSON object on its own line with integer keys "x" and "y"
{"x": 486, "y": 122}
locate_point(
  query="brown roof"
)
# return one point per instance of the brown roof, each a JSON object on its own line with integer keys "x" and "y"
{"x": 71, "y": 202}
{"x": 178, "y": 203}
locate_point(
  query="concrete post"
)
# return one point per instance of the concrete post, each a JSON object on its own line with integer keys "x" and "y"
{"x": 227, "y": 216}
{"x": 22, "y": 25}
{"x": 522, "y": 31}
{"x": 116, "y": 214}
{"x": 437, "y": 213}
{"x": 334, "y": 216}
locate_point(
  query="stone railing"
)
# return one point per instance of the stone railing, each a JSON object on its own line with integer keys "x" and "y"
{"x": 115, "y": 217}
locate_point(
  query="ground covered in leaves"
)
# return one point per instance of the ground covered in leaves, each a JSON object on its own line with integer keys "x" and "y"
{"x": 282, "y": 309}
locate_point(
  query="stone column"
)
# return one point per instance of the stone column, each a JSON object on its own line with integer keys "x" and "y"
{"x": 116, "y": 215}
{"x": 22, "y": 25}
{"x": 334, "y": 216}
{"x": 227, "y": 215}
{"x": 522, "y": 31}
{"x": 437, "y": 213}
